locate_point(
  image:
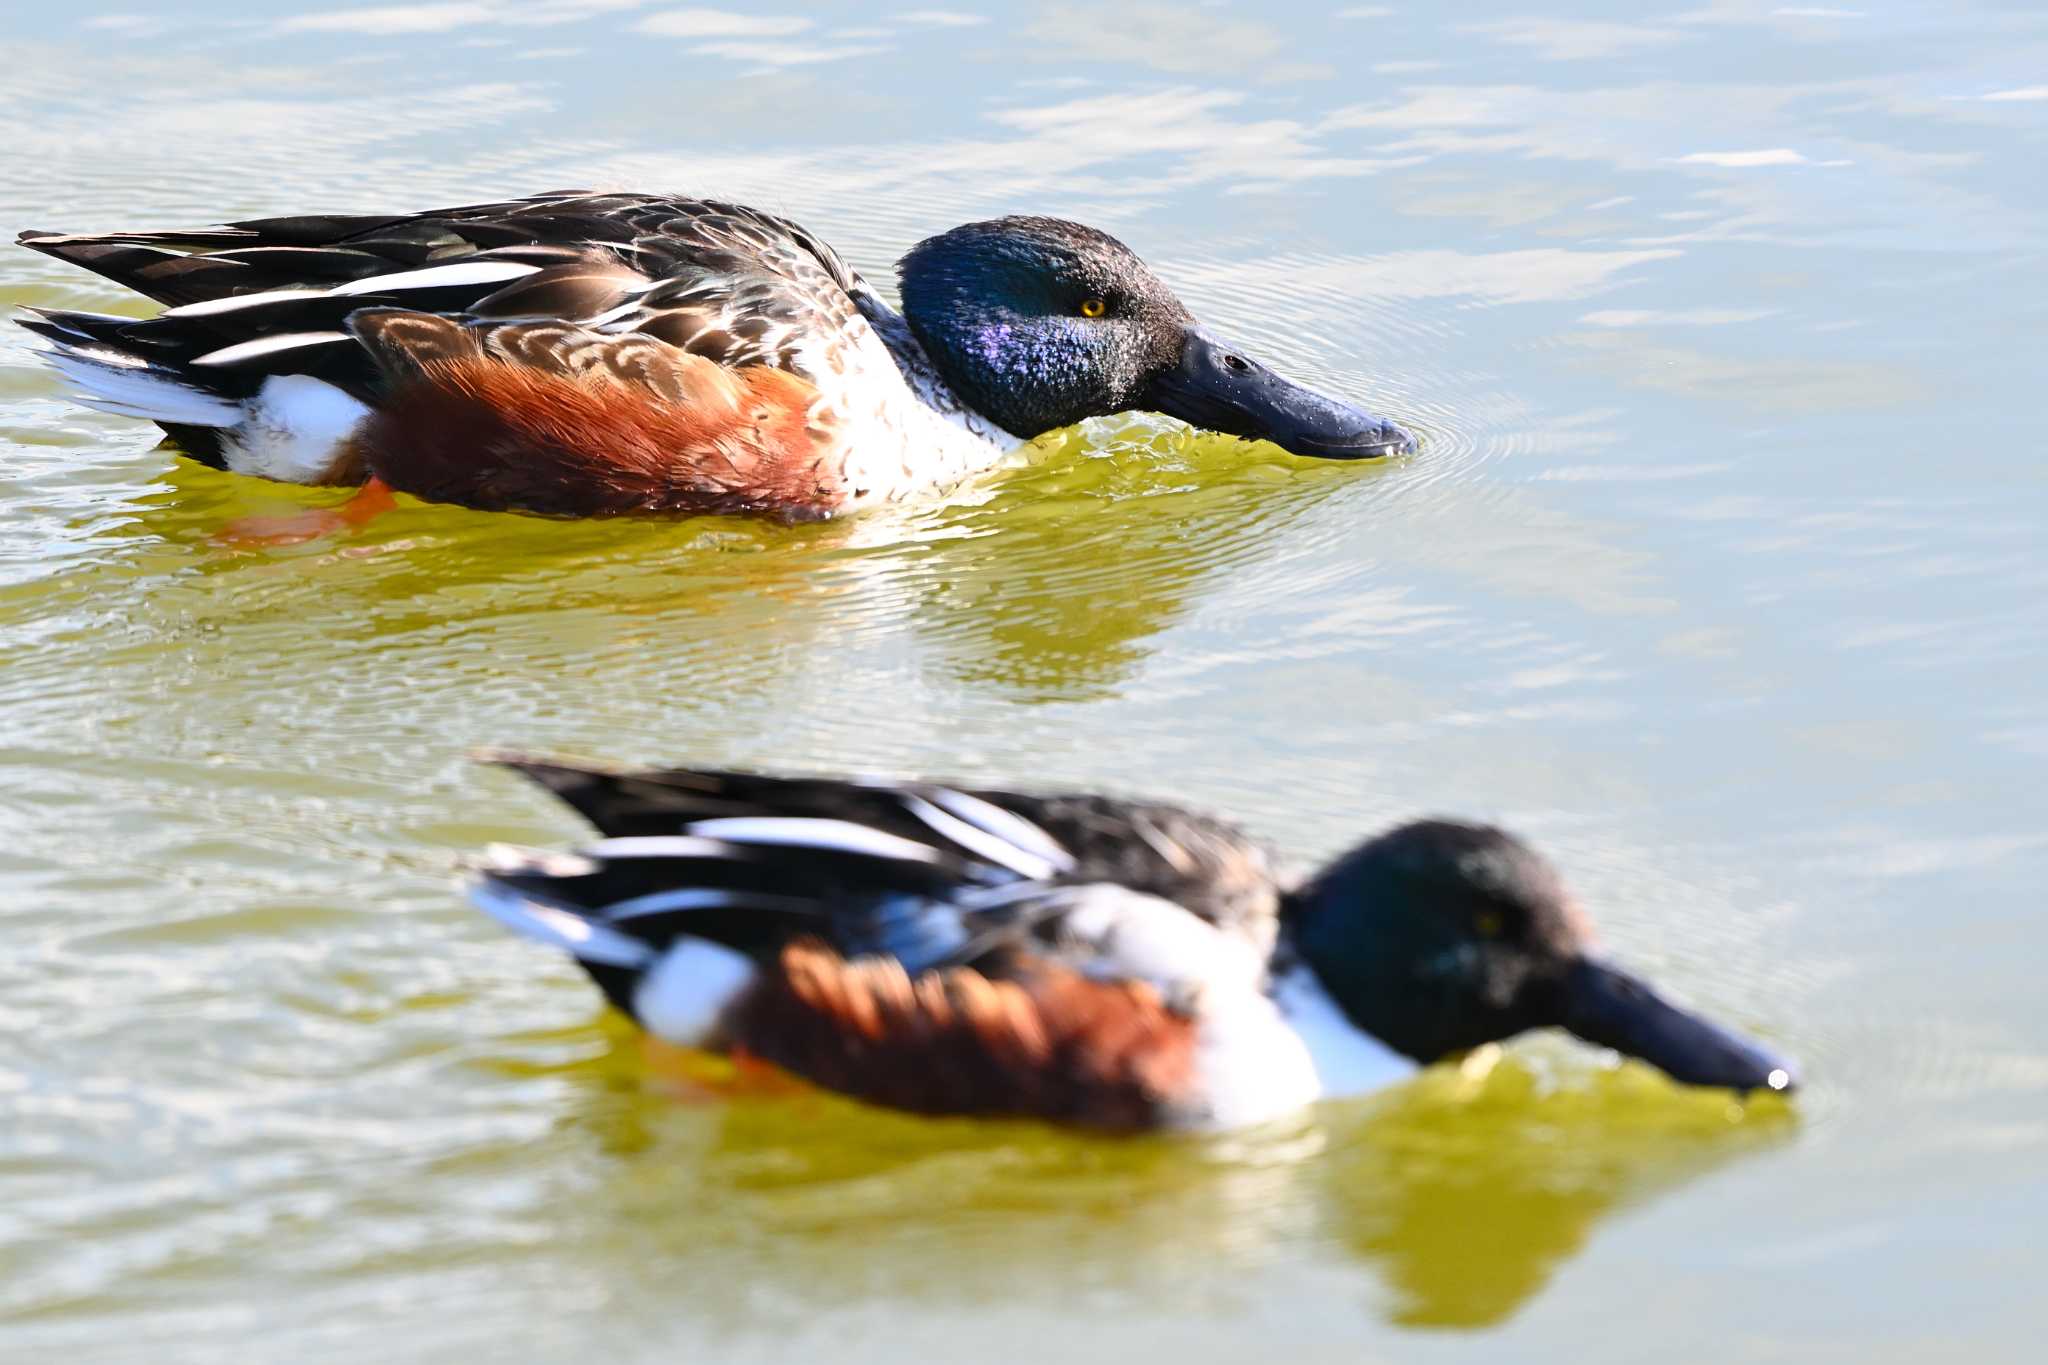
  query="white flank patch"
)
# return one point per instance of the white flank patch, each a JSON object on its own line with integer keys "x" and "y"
{"x": 795, "y": 831}
{"x": 1348, "y": 1060}
{"x": 293, "y": 430}
{"x": 113, "y": 381}
{"x": 586, "y": 940}
{"x": 438, "y": 277}
{"x": 263, "y": 346}
{"x": 689, "y": 987}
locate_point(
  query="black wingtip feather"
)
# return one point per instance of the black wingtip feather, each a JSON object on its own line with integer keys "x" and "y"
{"x": 41, "y": 323}
{"x": 552, "y": 774}
{"x": 579, "y": 787}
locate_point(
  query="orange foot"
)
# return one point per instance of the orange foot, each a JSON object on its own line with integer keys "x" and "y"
{"x": 313, "y": 523}
{"x": 698, "y": 1078}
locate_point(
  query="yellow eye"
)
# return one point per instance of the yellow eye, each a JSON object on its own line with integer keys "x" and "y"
{"x": 1093, "y": 308}
{"x": 1488, "y": 923}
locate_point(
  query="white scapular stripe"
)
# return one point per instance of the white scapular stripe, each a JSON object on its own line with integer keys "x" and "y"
{"x": 116, "y": 382}
{"x": 263, "y": 346}
{"x": 797, "y": 831}
{"x": 1008, "y": 826}
{"x": 542, "y": 861}
{"x": 235, "y": 303}
{"x": 657, "y": 846}
{"x": 629, "y": 308}
{"x": 688, "y": 988}
{"x": 437, "y": 277}
{"x": 693, "y": 898}
{"x": 581, "y": 938}
{"x": 981, "y": 842}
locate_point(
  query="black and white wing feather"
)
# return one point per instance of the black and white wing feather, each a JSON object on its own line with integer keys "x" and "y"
{"x": 930, "y": 875}
{"x": 270, "y": 296}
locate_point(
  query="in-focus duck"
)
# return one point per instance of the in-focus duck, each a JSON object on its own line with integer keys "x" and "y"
{"x": 1075, "y": 958}
{"x": 587, "y": 354}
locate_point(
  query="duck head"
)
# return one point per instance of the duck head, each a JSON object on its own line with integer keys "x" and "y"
{"x": 1438, "y": 937}
{"x": 1037, "y": 323}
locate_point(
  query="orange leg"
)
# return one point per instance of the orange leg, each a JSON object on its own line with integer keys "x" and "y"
{"x": 373, "y": 498}
{"x": 696, "y": 1078}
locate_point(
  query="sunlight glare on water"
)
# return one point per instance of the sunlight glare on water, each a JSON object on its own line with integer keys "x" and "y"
{"x": 1720, "y": 574}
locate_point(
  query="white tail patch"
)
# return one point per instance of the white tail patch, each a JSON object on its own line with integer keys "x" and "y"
{"x": 129, "y": 386}
{"x": 583, "y": 939}
{"x": 688, "y": 989}
{"x": 293, "y": 430}
{"x": 263, "y": 346}
{"x": 438, "y": 277}
{"x": 796, "y": 831}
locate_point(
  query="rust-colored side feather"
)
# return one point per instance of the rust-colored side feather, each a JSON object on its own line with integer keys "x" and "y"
{"x": 1040, "y": 1041}
{"x": 542, "y": 419}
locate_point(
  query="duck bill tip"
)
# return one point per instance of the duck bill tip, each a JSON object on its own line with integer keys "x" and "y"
{"x": 1613, "y": 1008}
{"x": 1217, "y": 387}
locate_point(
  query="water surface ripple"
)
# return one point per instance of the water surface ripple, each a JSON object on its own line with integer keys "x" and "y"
{"x": 1720, "y": 573}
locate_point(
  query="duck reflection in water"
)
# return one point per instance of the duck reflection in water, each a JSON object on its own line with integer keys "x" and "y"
{"x": 1461, "y": 1194}
{"x": 1021, "y": 588}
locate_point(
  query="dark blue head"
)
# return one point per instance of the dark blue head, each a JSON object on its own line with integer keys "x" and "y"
{"x": 1038, "y": 323}
{"x": 1438, "y": 937}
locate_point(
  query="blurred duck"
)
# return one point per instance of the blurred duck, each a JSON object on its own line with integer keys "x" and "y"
{"x": 590, "y": 354}
{"x": 1075, "y": 958}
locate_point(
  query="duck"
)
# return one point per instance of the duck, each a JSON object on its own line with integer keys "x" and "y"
{"x": 1079, "y": 959}
{"x": 588, "y": 354}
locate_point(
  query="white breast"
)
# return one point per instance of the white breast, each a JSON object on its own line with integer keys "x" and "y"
{"x": 909, "y": 433}
{"x": 1347, "y": 1059}
{"x": 1250, "y": 1066}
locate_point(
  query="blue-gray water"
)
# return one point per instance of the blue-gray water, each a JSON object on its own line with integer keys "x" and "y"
{"x": 1721, "y": 575}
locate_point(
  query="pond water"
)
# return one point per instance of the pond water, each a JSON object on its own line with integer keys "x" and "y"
{"x": 1721, "y": 575}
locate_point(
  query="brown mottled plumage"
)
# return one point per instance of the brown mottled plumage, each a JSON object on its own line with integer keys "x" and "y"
{"x": 544, "y": 415}
{"x": 1029, "y": 1039}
